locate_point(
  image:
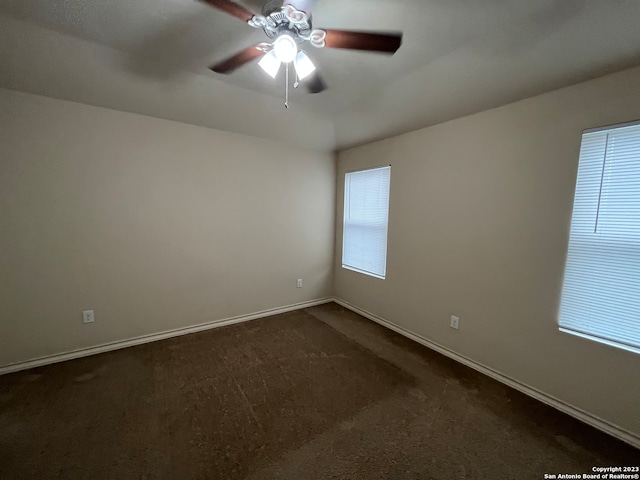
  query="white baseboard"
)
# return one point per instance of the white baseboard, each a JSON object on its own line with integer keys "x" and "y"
{"x": 107, "y": 347}
{"x": 556, "y": 403}
{"x": 575, "y": 412}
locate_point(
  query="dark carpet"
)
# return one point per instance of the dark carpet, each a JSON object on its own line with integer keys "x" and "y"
{"x": 319, "y": 393}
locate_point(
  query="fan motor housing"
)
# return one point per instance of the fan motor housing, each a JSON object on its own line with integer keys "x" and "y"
{"x": 271, "y": 6}
{"x": 279, "y": 24}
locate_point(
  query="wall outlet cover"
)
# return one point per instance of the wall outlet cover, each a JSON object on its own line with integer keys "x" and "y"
{"x": 87, "y": 316}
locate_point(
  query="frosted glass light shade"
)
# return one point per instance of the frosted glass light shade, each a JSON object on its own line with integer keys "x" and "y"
{"x": 270, "y": 64}
{"x": 285, "y": 48}
{"x": 304, "y": 65}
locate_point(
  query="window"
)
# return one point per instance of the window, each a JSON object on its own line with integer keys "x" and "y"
{"x": 366, "y": 215}
{"x": 601, "y": 289}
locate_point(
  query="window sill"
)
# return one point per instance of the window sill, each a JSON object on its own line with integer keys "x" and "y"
{"x": 364, "y": 272}
{"x": 611, "y": 343}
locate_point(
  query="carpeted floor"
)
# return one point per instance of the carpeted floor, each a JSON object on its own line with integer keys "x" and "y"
{"x": 319, "y": 393}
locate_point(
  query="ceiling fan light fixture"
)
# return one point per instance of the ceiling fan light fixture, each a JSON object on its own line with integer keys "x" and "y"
{"x": 270, "y": 64}
{"x": 285, "y": 48}
{"x": 304, "y": 65}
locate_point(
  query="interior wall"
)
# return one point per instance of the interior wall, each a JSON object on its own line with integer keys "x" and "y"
{"x": 153, "y": 224}
{"x": 480, "y": 211}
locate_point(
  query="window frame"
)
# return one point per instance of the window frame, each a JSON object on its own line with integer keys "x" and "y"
{"x": 583, "y": 331}
{"x": 344, "y": 227}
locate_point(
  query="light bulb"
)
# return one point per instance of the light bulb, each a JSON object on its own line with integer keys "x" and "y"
{"x": 285, "y": 48}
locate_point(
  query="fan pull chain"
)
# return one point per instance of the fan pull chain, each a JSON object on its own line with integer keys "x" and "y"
{"x": 286, "y": 88}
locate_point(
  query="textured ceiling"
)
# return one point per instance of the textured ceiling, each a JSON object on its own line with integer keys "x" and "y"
{"x": 458, "y": 57}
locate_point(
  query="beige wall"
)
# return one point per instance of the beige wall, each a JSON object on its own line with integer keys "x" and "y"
{"x": 480, "y": 211}
{"x": 154, "y": 224}
{"x": 159, "y": 225}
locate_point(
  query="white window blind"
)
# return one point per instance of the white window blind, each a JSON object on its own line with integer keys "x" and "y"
{"x": 601, "y": 289}
{"x": 366, "y": 215}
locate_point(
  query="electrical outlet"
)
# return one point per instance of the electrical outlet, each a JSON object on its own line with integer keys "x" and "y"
{"x": 299, "y": 284}
{"x": 455, "y": 322}
{"x": 87, "y": 316}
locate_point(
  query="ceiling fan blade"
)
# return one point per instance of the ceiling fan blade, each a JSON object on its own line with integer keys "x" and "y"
{"x": 231, "y": 8}
{"x": 370, "y": 41}
{"x": 316, "y": 84}
{"x": 236, "y": 61}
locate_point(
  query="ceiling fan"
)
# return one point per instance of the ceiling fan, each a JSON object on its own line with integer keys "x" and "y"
{"x": 288, "y": 25}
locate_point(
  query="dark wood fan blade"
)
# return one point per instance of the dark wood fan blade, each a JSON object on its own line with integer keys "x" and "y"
{"x": 239, "y": 59}
{"x": 231, "y": 8}
{"x": 316, "y": 84}
{"x": 370, "y": 41}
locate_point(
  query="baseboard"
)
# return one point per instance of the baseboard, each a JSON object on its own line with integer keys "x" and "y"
{"x": 556, "y": 403}
{"x": 107, "y": 347}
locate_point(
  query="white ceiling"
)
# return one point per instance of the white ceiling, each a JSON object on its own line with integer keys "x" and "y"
{"x": 458, "y": 57}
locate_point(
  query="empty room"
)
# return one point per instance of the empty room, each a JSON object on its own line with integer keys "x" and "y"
{"x": 313, "y": 239}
